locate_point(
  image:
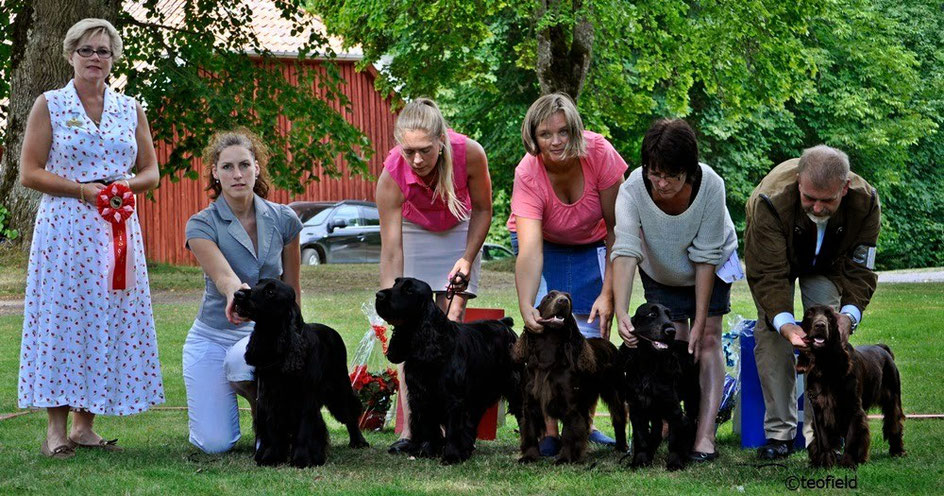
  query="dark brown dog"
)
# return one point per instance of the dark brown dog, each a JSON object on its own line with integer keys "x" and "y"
{"x": 564, "y": 375}
{"x": 841, "y": 385}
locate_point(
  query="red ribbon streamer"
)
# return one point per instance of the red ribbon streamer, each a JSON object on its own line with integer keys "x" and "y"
{"x": 116, "y": 205}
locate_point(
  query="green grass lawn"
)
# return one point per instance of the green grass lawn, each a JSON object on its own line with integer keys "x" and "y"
{"x": 158, "y": 458}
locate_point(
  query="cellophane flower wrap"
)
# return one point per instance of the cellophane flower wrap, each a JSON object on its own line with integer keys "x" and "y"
{"x": 372, "y": 378}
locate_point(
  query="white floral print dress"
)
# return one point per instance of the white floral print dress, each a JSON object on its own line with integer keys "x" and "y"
{"x": 85, "y": 345}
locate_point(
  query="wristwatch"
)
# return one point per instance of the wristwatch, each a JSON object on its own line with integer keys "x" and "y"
{"x": 855, "y": 323}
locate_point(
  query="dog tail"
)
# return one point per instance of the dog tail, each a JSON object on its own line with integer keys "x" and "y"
{"x": 886, "y": 348}
{"x": 508, "y": 321}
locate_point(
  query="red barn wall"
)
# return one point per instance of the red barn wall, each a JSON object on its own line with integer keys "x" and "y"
{"x": 164, "y": 219}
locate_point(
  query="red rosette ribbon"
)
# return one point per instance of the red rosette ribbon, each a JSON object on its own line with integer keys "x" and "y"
{"x": 116, "y": 205}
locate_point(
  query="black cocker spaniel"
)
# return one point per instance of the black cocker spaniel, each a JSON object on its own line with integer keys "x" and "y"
{"x": 454, "y": 372}
{"x": 660, "y": 375}
{"x": 299, "y": 368}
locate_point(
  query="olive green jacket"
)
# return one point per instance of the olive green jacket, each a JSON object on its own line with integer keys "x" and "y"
{"x": 780, "y": 241}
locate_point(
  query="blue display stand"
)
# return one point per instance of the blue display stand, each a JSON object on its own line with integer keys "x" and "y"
{"x": 751, "y": 400}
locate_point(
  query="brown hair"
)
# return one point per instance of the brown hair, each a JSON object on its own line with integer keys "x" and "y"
{"x": 245, "y": 138}
{"x": 670, "y": 146}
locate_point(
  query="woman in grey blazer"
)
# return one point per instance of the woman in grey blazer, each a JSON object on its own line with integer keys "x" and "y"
{"x": 238, "y": 239}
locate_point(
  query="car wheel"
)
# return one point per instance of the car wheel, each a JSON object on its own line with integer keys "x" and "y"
{"x": 310, "y": 257}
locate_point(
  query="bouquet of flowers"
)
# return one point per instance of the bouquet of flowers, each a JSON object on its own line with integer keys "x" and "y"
{"x": 374, "y": 381}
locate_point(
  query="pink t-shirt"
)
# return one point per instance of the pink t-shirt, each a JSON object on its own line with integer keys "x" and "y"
{"x": 419, "y": 204}
{"x": 577, "y": 223}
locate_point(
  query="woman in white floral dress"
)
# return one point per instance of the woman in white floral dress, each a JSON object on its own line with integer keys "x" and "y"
{"x": 86, "y": 347}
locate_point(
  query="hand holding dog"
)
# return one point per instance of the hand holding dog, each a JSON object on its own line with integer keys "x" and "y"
{"x": 603, "y": 307}
{"x": 794, "y": 334}
{"x": 694, "y": 338}
{"x": 231, "y": 314}
{"x": 532, "y": 318}
{"x": 625, "y": 327}
{"x": 845, "y": 327}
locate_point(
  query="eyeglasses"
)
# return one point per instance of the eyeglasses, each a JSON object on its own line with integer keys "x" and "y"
{"x": 87, "y": 52}
{"x": 664, "y": 177}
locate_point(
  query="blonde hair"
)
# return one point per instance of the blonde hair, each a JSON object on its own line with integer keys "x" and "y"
{"x": 541, "y": 110}
{"x": 245, "y": 138}
{"x": 423, "y": 114}
{"x": 91, "y": 27}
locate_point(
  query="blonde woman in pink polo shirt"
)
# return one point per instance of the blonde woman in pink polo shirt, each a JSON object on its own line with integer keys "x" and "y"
{"x": 434, "y": 197}
{"x": 562, "y": 220}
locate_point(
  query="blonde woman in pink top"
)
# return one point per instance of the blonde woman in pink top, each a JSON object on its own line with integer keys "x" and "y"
{"x": 562, "y": 221}
{"x": 434, "y": 197}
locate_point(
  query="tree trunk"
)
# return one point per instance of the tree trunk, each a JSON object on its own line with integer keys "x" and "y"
{"x": 37, "y": 66}
{"x": 564, "y": 51}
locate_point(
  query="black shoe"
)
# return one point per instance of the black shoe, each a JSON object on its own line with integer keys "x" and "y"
{"x": 775, "y": 449}
{"x": 401, "y": 447}
{"x": 700, "y": 456}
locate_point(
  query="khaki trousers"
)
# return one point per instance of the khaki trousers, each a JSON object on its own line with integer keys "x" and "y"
{"x": 776, "y": 363}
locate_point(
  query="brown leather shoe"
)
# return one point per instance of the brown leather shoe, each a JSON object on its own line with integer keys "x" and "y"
{"x": 111, "y": 445}
{"x": 62, "y": 452}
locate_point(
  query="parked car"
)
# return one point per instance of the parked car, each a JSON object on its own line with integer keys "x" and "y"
{"x": 492, "y": 251}
{"x": 344, "y": 232}
{"x": 308, "y": 209}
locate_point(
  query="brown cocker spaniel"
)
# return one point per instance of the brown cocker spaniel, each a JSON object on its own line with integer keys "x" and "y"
{"x": 841, "y": 385}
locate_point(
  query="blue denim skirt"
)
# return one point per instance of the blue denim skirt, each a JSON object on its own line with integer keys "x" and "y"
{"x": 576, "y": 269}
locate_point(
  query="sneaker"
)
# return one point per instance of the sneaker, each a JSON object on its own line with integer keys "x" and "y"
{"x": 600, "y": 438}
{"x": 549, "y": 446}
{"x": 775, "y": 449}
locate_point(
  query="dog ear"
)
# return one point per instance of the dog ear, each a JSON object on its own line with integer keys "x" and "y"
{"x": 586, "y": 362}
{"x": 519, "y": 352}
{"x": 291, "y": 345}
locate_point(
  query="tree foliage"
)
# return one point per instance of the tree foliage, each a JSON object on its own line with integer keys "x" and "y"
{"x": 193, "y": 77}
{"x": 759, "y": 79}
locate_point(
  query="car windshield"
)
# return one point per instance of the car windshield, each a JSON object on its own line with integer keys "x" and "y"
{"x": 319, "y": 217}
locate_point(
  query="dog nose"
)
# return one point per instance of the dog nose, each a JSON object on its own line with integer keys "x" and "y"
{"x": 380, "y": 296}
{"x": 670, "y": 332}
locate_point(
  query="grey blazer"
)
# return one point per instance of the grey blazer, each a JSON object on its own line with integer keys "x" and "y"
{"x": 276, "y": 225}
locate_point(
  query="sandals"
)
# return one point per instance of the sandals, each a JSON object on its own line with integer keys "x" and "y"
{"x": 104, "y": 445}
{"x": 61, "y": 452}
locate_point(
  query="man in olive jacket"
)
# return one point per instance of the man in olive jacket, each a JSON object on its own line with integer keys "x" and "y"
{"x": 809, "y": 220}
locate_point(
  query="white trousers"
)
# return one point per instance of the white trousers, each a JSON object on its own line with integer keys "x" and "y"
{"x": 209, "y": 365}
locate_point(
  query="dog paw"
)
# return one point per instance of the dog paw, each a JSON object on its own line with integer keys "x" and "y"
{"x": 641, "y": 460}
{"x": 564, "y": 460}
{"x": 849, "y": 462}
{"x": 898, "y": 453}
{"x": 267, "y": 458}
{"x": 358, "y": 443}
{"x": 527, "y": 459}
{"x": 674, "y": 462}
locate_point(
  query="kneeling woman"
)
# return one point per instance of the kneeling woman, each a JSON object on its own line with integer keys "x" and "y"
{"x": 239, "y": 239}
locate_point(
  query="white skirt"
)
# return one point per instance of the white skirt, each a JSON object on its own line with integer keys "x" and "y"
{"x": 429, "y": 256}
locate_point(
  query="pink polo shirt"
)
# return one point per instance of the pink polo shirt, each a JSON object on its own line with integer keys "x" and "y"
{"x": 577, "y": 223}
{"x": 419, "y": 205}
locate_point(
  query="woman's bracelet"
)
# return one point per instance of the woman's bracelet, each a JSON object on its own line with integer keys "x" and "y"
{"x": 82, "y": 192}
